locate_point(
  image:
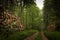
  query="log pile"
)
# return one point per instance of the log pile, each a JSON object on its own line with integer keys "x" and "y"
{"x": 7, "y": 18}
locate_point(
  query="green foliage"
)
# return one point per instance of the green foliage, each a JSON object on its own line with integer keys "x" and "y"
{"x": 8, "y": 4}
{"x": 17, "y": 35}
{"x": 31, "y": 17}
{"x": 51, "y": 11}
{"x": 21, "y": 35}
{"x": 53, "y": 35}
{"x": 5, "y": 31}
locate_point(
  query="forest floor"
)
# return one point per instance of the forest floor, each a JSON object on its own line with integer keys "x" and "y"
{"x": 35, "y": 35}
{"x": 32, "y": 37}
{"x": 43, "y": 36}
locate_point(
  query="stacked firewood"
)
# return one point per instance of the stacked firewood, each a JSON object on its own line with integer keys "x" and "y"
{"x": 7, "y": 18}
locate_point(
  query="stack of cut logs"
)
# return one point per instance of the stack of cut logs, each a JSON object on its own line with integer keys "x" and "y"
{"x": 7, "y": 18}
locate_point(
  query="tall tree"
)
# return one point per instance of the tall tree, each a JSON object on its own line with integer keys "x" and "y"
{"x": 31, "y": 17}
{"x": 51, "y": 12}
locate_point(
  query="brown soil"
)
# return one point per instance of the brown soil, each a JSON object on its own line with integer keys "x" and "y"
{"x": 43, "y": 36}
{"x": 32, "y": 37}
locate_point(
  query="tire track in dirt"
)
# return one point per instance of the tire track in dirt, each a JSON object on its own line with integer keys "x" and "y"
{"x": 43, "y": 36}
{"x": 32, "y": 37}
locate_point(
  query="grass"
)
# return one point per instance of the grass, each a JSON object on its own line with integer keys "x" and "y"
{"x": 53, "y": 35}
{"x": 19, "y": 35}
{"x": 38, "y": 37}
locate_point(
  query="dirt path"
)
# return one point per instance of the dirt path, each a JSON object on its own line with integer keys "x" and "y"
{"x": 43, "y": 36}
{"x": 32, "y": 37}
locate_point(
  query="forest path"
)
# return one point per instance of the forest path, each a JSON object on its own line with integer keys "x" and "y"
{"x": 43, "y": 36}
{"x": 32, "y": 37}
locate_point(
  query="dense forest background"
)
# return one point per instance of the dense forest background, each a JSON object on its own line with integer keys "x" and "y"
{"x": 20, "y": 19}
{"x": 51, "y": 13}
